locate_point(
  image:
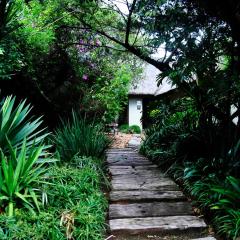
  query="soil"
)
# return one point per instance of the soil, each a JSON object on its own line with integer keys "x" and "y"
{"x": 120, "y": 140}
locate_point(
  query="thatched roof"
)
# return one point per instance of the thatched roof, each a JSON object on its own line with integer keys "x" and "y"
{"x": 147, "y": 84}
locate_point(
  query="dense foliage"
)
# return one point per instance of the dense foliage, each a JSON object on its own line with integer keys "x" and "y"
{"x": 175, "y": 142}
{"x": 201, "y": 49}
{"x": 75, "y": 208}
{"x": 42, "y": 201}
{"x": 66, "y": 55}
{"x": 17, "y": 125}
{"x": 59, "y": 66}
{"x": 79, "y": 136}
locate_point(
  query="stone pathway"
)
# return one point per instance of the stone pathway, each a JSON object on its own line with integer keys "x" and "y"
{"x": 135, "y": 141}
{"x": 145, "y": 202}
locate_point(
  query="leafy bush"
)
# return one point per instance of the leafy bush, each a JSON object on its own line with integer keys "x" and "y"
{"x": 228, "y": 224}
{"x": 168, "y": 138}
{"x": 16, "y": 125}
{"x": 125, "y": 128}
{"x": 135, "y": 129}
{"x": 229, "y": 193}
{"x": 23, "y": 156}
{"x": 220, "y": 197}
{"x": 80, "y": 137}
{"x": 76, "y": 208}
{"x": 20, "y": 175}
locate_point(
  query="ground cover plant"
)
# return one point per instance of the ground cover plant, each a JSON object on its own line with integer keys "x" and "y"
{"x": 75, "y": 209}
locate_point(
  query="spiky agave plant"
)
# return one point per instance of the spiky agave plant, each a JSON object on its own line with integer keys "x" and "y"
{"x": 16, "y": 125}
{"x": 20, "y": 176}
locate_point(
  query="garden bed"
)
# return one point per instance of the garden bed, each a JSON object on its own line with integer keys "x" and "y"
{"x": 51, "y": 184}
{"x": 75, "y": 210}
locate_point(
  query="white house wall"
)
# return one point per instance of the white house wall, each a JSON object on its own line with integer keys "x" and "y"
{"x": 135, "y": 108}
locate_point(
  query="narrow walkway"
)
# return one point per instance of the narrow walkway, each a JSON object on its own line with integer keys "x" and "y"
{"x": 144, "y": 202}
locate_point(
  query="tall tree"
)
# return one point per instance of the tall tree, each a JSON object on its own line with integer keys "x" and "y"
{"x": 201, "y": 47}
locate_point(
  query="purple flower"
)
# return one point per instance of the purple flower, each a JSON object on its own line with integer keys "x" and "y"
{"x": 92, "y": 65}
{"x": 98, "y": 43}
{"x": 81, "y": 41}
{"x": 85, "y": 77}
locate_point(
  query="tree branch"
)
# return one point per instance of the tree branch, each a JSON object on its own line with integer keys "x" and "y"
{"x": 93, "y": 46}
{"x": 136, "y": 51}
{"x": 129, "y": 22}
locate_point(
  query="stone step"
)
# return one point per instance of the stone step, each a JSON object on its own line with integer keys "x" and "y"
{"x": 120, "y": 158}
{"x": 157, "y": 224}
{"x": 140, "y": 178}
{"x": 153, "y": 209}
{"x": 125, "y": 157}
{"x": 144, "y": 184}
{"x": 134, "y": 171}
{"x": 143, "y": 200}
{"x": 128, "y": 162}
{"x": 119, "y": 150}
{"x": 126, "y": 153}
{"x": 205, "y": 238}
{"x": 129, "y": 168}
{"x": 140, "y": 196}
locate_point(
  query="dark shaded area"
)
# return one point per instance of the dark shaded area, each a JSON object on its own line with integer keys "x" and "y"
{"x": 52, "y": 87}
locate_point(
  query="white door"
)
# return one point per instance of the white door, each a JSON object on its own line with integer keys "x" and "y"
{"x": 135, "y": 112}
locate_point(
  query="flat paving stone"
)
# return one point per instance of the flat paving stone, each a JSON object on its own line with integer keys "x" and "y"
{"x": 167, "y": 185}
{"x": 154, "y": 224}
{"x": 128, "y": 162}
{"x": 150, "y": 173}
{"x": 146, "y": 176}
{"x": 136, "y": 195}
{"x": 153, "y": 209}
{"x": 119, "y": 150}
{"x": 127, "y": 168}
{"x": 124, "y": 158}
{"x": 205, "y": 238}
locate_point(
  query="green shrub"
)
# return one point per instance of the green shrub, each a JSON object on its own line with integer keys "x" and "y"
{"x": 135, "y": 129}
{"x": 125, "y": 128}
{"x": 167, "y": 139}
{"x": 228, "y": 224}
{"x": 220, "y": 197}
{"x": 80, "y": 137}
{"x": 229, "y": 192}
{"x": 76, "y": 208}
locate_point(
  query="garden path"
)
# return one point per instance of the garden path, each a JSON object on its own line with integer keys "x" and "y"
{"x": 144, "y": 202}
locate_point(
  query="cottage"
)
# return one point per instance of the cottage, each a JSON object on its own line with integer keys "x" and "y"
{"x": 143, "y": 91}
